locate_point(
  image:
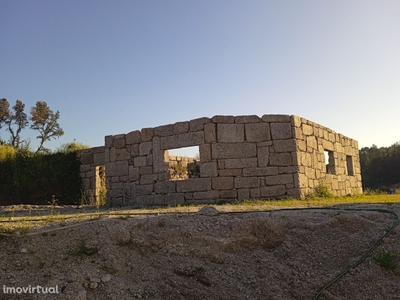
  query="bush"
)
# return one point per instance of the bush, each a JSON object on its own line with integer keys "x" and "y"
{"x": 6, "y": 152}
{"x": 34, "y": 179}
{"x": 72, "y": 147}
{"x": 385, "y": 260}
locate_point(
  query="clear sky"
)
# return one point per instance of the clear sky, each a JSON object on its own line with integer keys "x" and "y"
{"x": 112, "y": 67}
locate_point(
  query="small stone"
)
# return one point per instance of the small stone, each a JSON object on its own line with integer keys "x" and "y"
{"x": 23, "y": 250}
{"x": 106, "y": 278}
{"x": 93, "y": 285}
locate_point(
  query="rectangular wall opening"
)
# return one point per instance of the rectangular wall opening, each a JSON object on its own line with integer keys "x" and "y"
{"x": 349, "y": 165}
{"x": 329, "y": 162}
{"x": 183, "y": 163}
{"x": 100, "y": 189}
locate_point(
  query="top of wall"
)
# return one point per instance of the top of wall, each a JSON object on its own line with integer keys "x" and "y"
{"x": 311, "y": 128}
{"x": 147, "y": 134}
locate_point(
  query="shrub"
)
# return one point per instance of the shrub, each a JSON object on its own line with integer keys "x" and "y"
{"x": 72, "y": 147}
{"x": 6, "y": 152}
{"x": 386, "y": 260}
{"x": 321, "y": 191}
{"x": 34, "y": 179}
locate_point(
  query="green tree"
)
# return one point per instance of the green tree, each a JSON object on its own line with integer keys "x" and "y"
{"x": 4, "y": 111}
{"x": 17, "y": 121}
{"x": 4, "y": 114}
{"x": 380, "y": 166}
{"x": 45, "y": 121}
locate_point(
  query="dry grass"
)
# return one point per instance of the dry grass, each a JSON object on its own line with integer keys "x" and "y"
{"x": 23, "y": 224}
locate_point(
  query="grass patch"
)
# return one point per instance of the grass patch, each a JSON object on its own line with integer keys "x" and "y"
{"x": 22, "y": 228}
{"x": 387, "y": 260}
{"x": 322, "y": 201}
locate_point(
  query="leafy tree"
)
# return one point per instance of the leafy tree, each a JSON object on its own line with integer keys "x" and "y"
{"x": 45, "y": 121}
{"x": 4, "y": 114}
{"x": 17, "y": 118}
{"x": 4, "y": 111}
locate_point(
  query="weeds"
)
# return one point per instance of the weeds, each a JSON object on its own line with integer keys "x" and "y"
{"x": 386, "y": 260}
{"x": 53, "y": 203}
{"x": 371, "y": 192}
{"x": 321, "y": 191}
{"x": 199, "y": 269}
{"x": 24, "y": 230}
{"x": 6, "y": 229}
{"x": 41, "y": 264}
{"x": 9, "y": 228}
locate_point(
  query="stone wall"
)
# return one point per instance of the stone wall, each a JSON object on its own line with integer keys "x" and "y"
{"x": 91, "y": 170}
{"x": 272, "y": 156}
{"x": 314, "y": 142}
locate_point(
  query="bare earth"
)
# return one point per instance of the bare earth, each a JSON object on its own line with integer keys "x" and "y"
{"x": 243, "y": 255}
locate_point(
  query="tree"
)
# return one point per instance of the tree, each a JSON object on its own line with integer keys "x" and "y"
{"x": 46, "y": 122}
{"x": 380, "y": 166}
{"x": 19, "y": 119}
{"x": 4, "y": 113}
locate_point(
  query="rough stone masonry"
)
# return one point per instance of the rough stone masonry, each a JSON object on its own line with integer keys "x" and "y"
{"x": 272, "y": 156}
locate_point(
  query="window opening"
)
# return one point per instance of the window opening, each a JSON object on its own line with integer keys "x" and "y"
{"x": 349, "y": 165}
{"x": 183, "y": 163}
{"x": 329, "y": 162}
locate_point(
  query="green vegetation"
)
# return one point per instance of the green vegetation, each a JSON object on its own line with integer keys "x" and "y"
{"x": 380, "y": 166}
{"x": 386, "y": 260}
{"x": 7, "y": 152}
{"x": 72, "y": 147}
{"x": 22, "y": 227}
{"x": 46, "y": 123}
{"x": 321, "y": 191}
{"x": 382, "y": 198}
{"x": 200, "y": 269}
{"x": 43, "y": 119}
{"x": 41, "y": 264}
{"x": 34, "y": 179}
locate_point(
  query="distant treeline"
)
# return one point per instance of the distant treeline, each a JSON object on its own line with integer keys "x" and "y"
{"x": 380, "y": 166}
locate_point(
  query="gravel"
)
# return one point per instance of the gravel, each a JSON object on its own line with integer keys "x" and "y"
{"x": 208, "y": 255}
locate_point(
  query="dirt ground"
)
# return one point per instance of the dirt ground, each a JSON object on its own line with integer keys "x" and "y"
{"x": 211, "y": 254}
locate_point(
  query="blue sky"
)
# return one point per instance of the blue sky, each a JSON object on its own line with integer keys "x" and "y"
{"x": 112, "y": 67}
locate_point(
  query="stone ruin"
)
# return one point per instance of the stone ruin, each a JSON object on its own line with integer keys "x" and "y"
{"x": 240, "y": 157}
